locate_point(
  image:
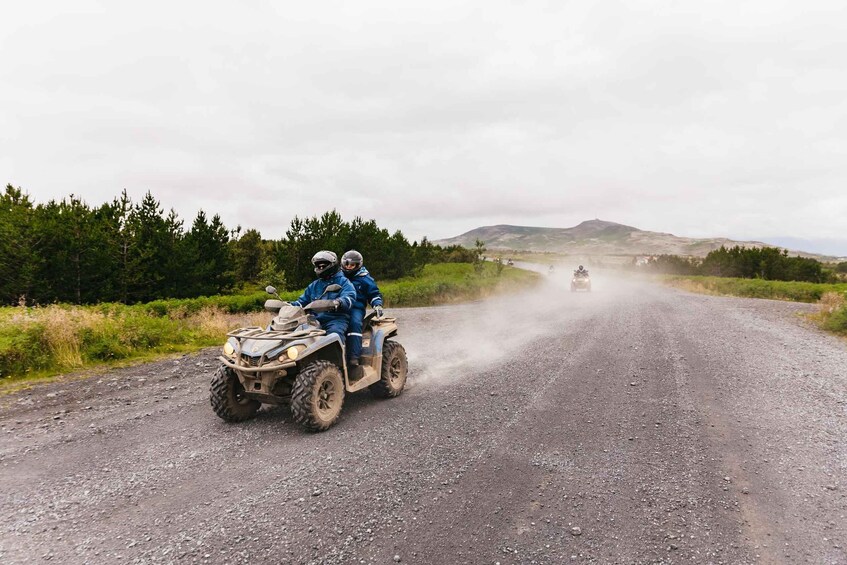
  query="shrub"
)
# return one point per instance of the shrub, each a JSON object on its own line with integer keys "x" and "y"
{"x": 833, "y": 312}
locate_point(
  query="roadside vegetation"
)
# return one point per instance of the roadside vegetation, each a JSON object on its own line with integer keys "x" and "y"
{"x": 765, "y": 272}
{"x": 831, "y": 297}
{"x": 41, "y": 341}
{"x": 832, "y": 315}
{"x": 795, "y": 291}
{"x": 86, "y": 285}
{"x": 765, "y": 263}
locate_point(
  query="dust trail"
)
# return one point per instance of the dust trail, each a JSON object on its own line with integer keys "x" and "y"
{"x": 452, "y": 340}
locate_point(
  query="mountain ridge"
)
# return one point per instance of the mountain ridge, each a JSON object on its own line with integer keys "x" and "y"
{"x": 597, "y": 237}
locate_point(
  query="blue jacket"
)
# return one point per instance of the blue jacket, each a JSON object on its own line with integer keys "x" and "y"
{"x": 366, "y": 290}
{"x": 346, "y": 296}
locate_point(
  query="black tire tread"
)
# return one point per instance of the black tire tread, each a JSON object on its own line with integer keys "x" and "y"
{"x": 222, "y": 398}
{"x": 382, "y": 388}
{"x": 301, "y": 395}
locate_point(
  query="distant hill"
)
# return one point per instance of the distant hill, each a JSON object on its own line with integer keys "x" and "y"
{"x": 595, "y": 237}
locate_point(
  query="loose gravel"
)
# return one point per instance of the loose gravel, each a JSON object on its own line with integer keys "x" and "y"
{"x": 632, "y": 424}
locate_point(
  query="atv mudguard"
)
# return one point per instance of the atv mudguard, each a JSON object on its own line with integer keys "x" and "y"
{"x": 373, "y": 340}
{"x": 327, "y": 348}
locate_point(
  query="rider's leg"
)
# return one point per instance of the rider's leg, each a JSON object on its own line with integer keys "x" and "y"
{"x": 337, "y": 326}
{"x": 354, "y": 336}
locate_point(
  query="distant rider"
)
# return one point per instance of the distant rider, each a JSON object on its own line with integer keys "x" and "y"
{"x": 367, "y": 292}
{"x": 328, "y": 271}
{"x": 581, "y": 272}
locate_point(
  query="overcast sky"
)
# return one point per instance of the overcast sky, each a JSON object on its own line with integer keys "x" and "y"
{"x": 697, "y": 118}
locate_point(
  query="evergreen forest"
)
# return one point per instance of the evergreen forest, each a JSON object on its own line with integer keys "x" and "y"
{"x": 131, "y": 252}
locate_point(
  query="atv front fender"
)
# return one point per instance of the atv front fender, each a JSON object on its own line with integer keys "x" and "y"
{"x": 328, "y": 348}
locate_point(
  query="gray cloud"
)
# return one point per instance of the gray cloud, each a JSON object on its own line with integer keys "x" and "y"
{"x": 719, "y": 118}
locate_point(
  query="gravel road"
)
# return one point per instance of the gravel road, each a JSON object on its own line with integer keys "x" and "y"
{"x": 633, "y": 424}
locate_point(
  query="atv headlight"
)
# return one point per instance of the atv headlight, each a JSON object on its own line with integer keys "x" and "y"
{"x": 292, "y": 353}
{"x": 229, "y": 350}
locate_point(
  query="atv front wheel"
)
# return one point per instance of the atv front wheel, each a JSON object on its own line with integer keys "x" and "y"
{"x": 317, "y": 396}
{"x": 394, "y": 370}
{"x": 228, "y": 398}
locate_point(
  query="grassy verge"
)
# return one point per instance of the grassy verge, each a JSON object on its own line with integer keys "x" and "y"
{"x": 454, "y": 282}
{"x": 755, "y": 288}
{"x": 831, "y": 298}
{"x": 832, "y": 315}
{"x": 45, "y": 341}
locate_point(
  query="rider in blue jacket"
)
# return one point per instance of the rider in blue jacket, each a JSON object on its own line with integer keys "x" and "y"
{"x": 367, "y": 292}
{"x": 327, "y": 269}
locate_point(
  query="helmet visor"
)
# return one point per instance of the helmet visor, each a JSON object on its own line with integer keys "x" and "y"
{"x": 321, "y": 266}
{"x": 350, "y": 264}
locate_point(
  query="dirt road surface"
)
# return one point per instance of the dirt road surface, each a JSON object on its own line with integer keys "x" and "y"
{"x": 633, "y": 424}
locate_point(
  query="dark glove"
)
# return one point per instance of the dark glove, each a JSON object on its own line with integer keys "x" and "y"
{"x": 378, "y": 311}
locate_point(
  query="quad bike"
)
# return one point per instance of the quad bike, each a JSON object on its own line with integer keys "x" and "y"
{"x": 297, "y": 363}
{"x": 580, "y": 281}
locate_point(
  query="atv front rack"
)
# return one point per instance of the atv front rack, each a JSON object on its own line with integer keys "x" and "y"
{"x": 269, "y": 365}
{"x": 261, "y": 333}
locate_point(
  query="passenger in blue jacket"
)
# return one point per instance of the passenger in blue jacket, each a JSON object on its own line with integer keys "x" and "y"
{"x": 328, "y": 271}
{"x": 367, "y": 292}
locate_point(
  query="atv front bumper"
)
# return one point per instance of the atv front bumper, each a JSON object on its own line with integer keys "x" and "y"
{"x": 269, "y": 367}
{"x": 260, "y": 382}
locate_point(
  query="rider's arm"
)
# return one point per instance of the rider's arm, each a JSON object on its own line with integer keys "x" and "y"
{"x": 305, "y": 298}
{"x": 347, "y": 296}
{"x": 373, "y": 293}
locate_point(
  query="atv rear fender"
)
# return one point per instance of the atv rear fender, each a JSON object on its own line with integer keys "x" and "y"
{"x": 372, "y": 346}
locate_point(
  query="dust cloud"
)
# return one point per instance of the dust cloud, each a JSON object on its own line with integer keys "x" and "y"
{"x": 451, "y": 340}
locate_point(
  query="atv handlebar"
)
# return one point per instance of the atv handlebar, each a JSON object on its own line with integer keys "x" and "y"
{"x": 273, "y": 305}
{"x": 321, "y": 306}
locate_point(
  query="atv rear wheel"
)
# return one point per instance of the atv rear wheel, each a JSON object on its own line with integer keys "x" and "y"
{"x": 317, "y": 396}
{"x": 228, "y": 398}
{"x": 394, "y": 370}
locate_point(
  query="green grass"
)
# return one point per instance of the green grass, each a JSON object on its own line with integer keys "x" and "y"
{"x": 755, "y": 288}
{"x": 453, "y": 282}
{"x": 831, "y": 298}
{"x": 836, "y": 321}
{"x": 44, "y": 341}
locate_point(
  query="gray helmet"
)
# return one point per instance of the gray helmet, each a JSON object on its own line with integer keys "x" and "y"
{"x": 351, "y": 262}
{"x": 326, "y": 264}
{"x": 581, "y": 268}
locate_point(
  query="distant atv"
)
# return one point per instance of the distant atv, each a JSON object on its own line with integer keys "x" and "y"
{"x": 295, "y": 362}
{"x": 580, "y": 281}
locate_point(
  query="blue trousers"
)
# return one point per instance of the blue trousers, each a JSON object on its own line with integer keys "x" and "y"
{"x": 337, "y": 327}
{"x": 354, "y": 333}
